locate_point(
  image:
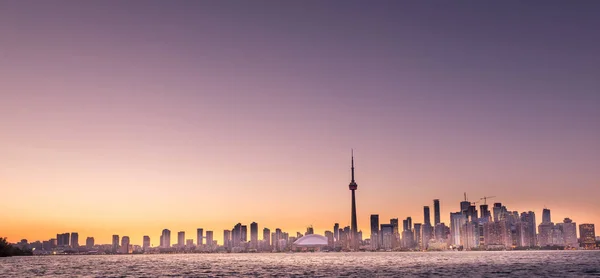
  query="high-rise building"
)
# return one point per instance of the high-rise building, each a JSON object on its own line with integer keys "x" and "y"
{"x": 236, "y": 235}
{"x": 336, "y": 231}
{"x": 471, "y": 235}
{"x": 375, "y": 231}
{"x": 457, "y": 221}
{"x": 125, "y": 245}
{"x": 497, "y": 234}
{"x": 545, "y": 234}
{"x": 427, "y": 217}
{"x": 569, "y": 233}
{"x": 472, "y": 213}
{"x": 254, "y": 235}
{"x": 529, "y": 218}
{"x": 89, "y": 242}
{"x": 226, "y": 239}
{"x": 496, "y": 210}
{"x": 418, "y": 242}
{"x": 395, "y": 225}
{"x": 329, "y": 236}
{"x": 464, "y": 205}
{"x": 165, "y": 239}
{"x": 522, "y": 237}
{"x": 267, "y": 237}
{"x": 209, "y": 238}
{"x": 587, "y": 236}
{"x": 485, "y": 213}
{"x": 63, "y": 240}
{"x": 244, "y": 233}
{"x": 546, "y": 216}
{"x": 115, "y": 243}
{"x": 74, "y": 240}
{"x": 181, "y": 239}
{"x": 353, "y": 186}
{"x": 146, "y": 243}
{"x": 436, "y": 211}
{"x": 199, "y": 236}
{"x": 387, "y": 236}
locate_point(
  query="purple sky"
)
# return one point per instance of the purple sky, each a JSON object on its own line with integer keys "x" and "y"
{"x": 229, "y": 111}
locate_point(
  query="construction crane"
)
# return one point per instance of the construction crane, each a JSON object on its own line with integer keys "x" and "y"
{"x": 485, "y": 199}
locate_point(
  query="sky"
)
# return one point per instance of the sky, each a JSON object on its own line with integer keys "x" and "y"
{"x": 128, "y": 117}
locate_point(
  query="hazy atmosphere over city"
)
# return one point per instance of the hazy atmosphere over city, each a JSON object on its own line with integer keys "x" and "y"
{"x": 130, "y": 117}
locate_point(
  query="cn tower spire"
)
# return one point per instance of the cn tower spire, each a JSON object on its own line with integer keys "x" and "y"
{"x": 352, "y": 150}
{"x": 354, "y": 244}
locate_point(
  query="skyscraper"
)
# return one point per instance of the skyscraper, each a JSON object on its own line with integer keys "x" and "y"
{"x": 227, "y": 239}
{"x": 354, "y": 226}
{"x": 569, "y": 233}
{"x": 236, "y": 235}
{"x": 336, "y": 231}
{"x": 374, "y": 224}
{"x": 199, "y": 236}
{"x": 457, "y": 220}
{"x": 209, "y": 238}
{"x": 485, "y": 213}
{"x": 125, "y": 245}
{"x": 587, "y": 235}
{"x": 436, "y": 211}
{"x": 165, "y": 239}
{"x": 375, "y": 231}
{"x": 427, "y": 217}
{"x": 89, "y": 242}
{"x": 531, "y": 231}
{"x": 254, "y": 235}
{"x": 395, "y": 226}
{"x": 418, "y": 238}
{"x": 464, "y": 205}
{"x": 181, "y": 239}
{"x": 244, "y": 233}
{"x": 267, "y": 237}
{"x": 146, "y": 243}
{"x": 546, "y": 216}
{"x": 74, "y": 240}
{"x": 115, "y": 243}
{"x": 496, "y": 210}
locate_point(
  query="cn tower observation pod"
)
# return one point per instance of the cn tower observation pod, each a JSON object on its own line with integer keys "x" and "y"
{"x": 311, "y": 241}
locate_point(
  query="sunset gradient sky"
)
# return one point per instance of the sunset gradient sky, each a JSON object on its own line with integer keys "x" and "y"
{"x": 128, "y": 117}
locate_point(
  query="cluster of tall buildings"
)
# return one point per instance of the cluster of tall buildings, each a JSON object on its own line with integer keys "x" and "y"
{"x": 483, "y": 229}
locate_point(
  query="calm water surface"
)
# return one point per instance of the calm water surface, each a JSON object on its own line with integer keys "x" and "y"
{"x": 469, "y": 264}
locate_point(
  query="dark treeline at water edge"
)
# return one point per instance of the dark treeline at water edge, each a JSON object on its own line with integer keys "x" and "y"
{"x": 8, "y": 250}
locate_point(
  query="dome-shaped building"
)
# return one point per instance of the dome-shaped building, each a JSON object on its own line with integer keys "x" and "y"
{"x": 311, "y": 241}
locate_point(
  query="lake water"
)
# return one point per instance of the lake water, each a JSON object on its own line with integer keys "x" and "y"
{"x": 470, "y": 264}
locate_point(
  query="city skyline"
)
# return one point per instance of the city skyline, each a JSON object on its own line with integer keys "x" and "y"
{"x": 125, "y": 117}
{"x": 179, "y": 236}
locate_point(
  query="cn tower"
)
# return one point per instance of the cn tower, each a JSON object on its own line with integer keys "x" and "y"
{"x": 354, "y": 227}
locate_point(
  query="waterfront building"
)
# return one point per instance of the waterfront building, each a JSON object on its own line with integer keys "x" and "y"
{"x": 457, "y": 220}
{"x": 200, "y": 236}
{"x": 146, "y": 243}
{"x": 89, "y": 242}
{"x": 209, "y": 239}
{"x": 181, "y": 239}
{"x": 74, "y": 240}
{"x": 115, "y": 243}
{"x": 546, "y": 216}
{"x": 165, "y": 241}
{"x": 267, "y": 237}
{"x": 436, "y": 211}
{"x": 587, "y": 236}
